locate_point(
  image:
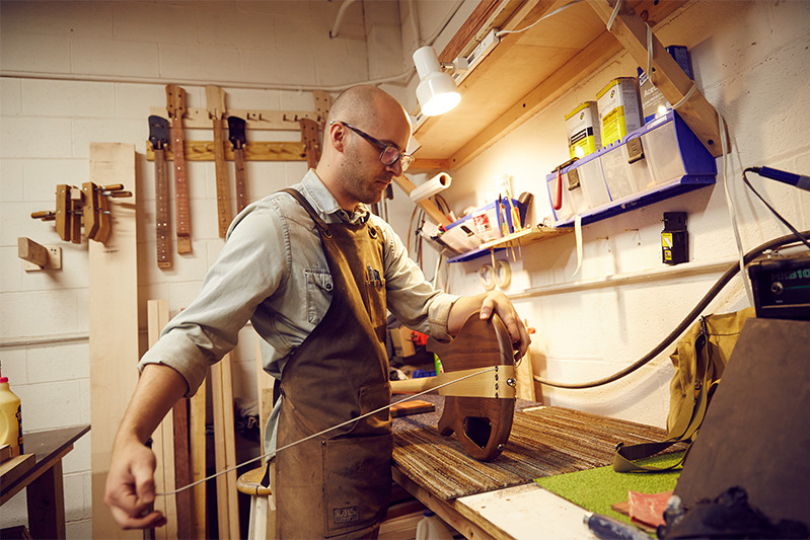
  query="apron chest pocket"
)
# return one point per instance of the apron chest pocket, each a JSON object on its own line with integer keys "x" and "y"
{"x": 319, "y": 294}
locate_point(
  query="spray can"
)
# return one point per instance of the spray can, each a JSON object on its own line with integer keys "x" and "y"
{"x": 10, "y": 418}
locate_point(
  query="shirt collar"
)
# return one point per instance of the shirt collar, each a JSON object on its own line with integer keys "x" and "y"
{"x": 323, "y": 201}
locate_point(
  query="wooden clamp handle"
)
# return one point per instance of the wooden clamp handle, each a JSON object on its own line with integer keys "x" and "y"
{"x": 44, "y": 215}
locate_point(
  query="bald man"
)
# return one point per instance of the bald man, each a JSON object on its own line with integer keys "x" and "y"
{"x": 315, "y": 273}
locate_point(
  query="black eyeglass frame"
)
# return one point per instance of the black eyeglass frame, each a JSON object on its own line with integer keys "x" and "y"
{"x": 405, "y": 159}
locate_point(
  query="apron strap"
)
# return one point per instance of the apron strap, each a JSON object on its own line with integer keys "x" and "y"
{"x": 322, "y": 226}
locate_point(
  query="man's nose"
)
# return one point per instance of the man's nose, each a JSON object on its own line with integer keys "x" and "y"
{"x": 395, "y": 167}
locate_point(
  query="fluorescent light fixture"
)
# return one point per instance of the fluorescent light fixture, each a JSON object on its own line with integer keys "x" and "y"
{"x": 437, "y": 92}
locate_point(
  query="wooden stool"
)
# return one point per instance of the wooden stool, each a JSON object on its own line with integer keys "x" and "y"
{"x": 262, "y": 505}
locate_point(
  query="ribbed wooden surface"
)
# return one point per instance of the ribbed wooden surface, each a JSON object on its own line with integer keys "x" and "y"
{"x": 544, "y": 442}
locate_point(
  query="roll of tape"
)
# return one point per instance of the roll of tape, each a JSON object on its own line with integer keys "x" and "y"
{"x": 497, "y": 275}
{"x": 502, "y": 274}
{"x": 487, "y": 276}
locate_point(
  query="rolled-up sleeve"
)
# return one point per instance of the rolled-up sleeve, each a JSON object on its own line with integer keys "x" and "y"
{"x": 411, "y": 298}
{"x": 250, "y": 268}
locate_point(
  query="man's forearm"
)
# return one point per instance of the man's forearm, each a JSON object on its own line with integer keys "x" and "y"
{"x": 159, "y": 388}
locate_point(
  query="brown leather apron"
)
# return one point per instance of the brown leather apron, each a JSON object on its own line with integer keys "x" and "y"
{"x": 338, "y": 484}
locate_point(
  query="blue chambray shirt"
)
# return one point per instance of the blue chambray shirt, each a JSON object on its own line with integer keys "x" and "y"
{"x": 277, "y": 277}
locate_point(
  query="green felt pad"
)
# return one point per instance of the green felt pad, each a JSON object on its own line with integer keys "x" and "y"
{"x": 596, "y": 489}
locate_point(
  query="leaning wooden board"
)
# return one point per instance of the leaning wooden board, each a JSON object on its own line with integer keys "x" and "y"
{"x": 114, "y": 347}
{"x": 162, "y": 438}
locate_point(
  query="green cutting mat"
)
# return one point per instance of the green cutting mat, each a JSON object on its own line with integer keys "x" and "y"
{"x": 596, "y": 489}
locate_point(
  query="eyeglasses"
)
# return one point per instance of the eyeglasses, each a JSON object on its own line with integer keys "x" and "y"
{"x": 389, "y": 155}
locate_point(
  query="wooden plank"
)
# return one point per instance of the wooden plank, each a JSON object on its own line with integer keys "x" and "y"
{"x": 430, "y": 164}
{"x": 466, "y": 35}
{"x": 182, "y": 471}
{"x": 197, "y": 442}
{"x": 254, "y": 151}
{"x": 557, "y": 84}
{"x": 667, "y": 75}
{"x": 163, "y": 437}
{"x": 113, "y": 307}
{"x": 224, "y": 448}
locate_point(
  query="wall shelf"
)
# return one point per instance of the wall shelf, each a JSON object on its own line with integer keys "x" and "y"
{"x": 518, "y": 239}
{"x": 529, "y": 70}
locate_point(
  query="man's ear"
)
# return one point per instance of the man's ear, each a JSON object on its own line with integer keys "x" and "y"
{"x": 336, "y": 134}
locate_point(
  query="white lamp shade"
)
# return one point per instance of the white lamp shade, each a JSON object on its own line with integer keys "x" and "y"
{"x": 437, "y": 92}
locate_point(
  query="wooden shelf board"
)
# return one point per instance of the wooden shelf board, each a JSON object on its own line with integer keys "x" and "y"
{"x": 526, "y": 236}
{"x": 524, "y": 73}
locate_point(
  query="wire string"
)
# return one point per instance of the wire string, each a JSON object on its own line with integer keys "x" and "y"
{"x": 318, "y": 434}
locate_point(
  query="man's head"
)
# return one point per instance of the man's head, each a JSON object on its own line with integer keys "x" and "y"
{"x": 362, "y": 122}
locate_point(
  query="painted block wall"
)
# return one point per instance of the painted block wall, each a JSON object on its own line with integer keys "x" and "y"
{"x": 81, "y": 72}
{"x": 752, "y": 62}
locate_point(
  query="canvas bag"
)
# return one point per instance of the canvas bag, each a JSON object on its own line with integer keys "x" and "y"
{"x": 700, "y": 358}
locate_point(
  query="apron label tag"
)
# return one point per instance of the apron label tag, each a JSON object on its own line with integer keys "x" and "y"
{"x": 342, "y": 516}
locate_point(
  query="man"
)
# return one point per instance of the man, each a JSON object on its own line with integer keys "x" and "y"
{"x": 315, "y": 273}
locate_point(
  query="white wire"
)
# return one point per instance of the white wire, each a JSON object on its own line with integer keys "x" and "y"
{"x": 649, "y": 50}
{"x": 327, "y": 430}
{"x": 546, "y": 16}
{"x": 732, "y": 210}
{"x": 613, "y": 16}
{"x": 686, "y": 97}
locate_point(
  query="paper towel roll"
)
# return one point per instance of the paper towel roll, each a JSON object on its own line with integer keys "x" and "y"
{"x": 438, "y": 183}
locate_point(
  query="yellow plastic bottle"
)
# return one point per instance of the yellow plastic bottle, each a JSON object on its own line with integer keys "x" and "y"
{"x": 11, "y": 432}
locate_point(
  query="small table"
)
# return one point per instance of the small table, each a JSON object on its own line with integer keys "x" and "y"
{"x": 45, "y": 490}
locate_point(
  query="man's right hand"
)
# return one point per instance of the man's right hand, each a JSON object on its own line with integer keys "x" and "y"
{"x": 130, "y": 490}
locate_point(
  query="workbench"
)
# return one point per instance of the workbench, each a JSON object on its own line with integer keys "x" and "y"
{"x": 499, "y": 499}
{"x": 41, "y": 476}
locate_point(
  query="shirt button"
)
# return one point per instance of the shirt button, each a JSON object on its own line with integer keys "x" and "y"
{"x": 328, "y": 286}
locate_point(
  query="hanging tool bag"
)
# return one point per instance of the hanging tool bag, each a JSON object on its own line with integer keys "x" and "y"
{"x": 700, "y": 358}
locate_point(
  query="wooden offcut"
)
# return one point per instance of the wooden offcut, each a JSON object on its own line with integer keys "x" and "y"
{"x": 114, "y": 328}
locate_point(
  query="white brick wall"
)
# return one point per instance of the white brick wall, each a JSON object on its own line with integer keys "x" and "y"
{"x": 751, "y": 61}
{"x": 47, "y": 124}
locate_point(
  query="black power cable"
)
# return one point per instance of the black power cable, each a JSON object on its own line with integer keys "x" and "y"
{"x": 716, "y": 288}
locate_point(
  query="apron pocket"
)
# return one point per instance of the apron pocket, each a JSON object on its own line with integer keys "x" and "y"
{"x": 357, "y": 482}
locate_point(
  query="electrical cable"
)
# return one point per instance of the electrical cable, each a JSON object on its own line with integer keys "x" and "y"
{"x": 716, "y": 288}
{"x": 732, "y": 209}
{"x": 546, "y": 16}
{"x": 327, "y": 430}
{"x": 796, "y": 233}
